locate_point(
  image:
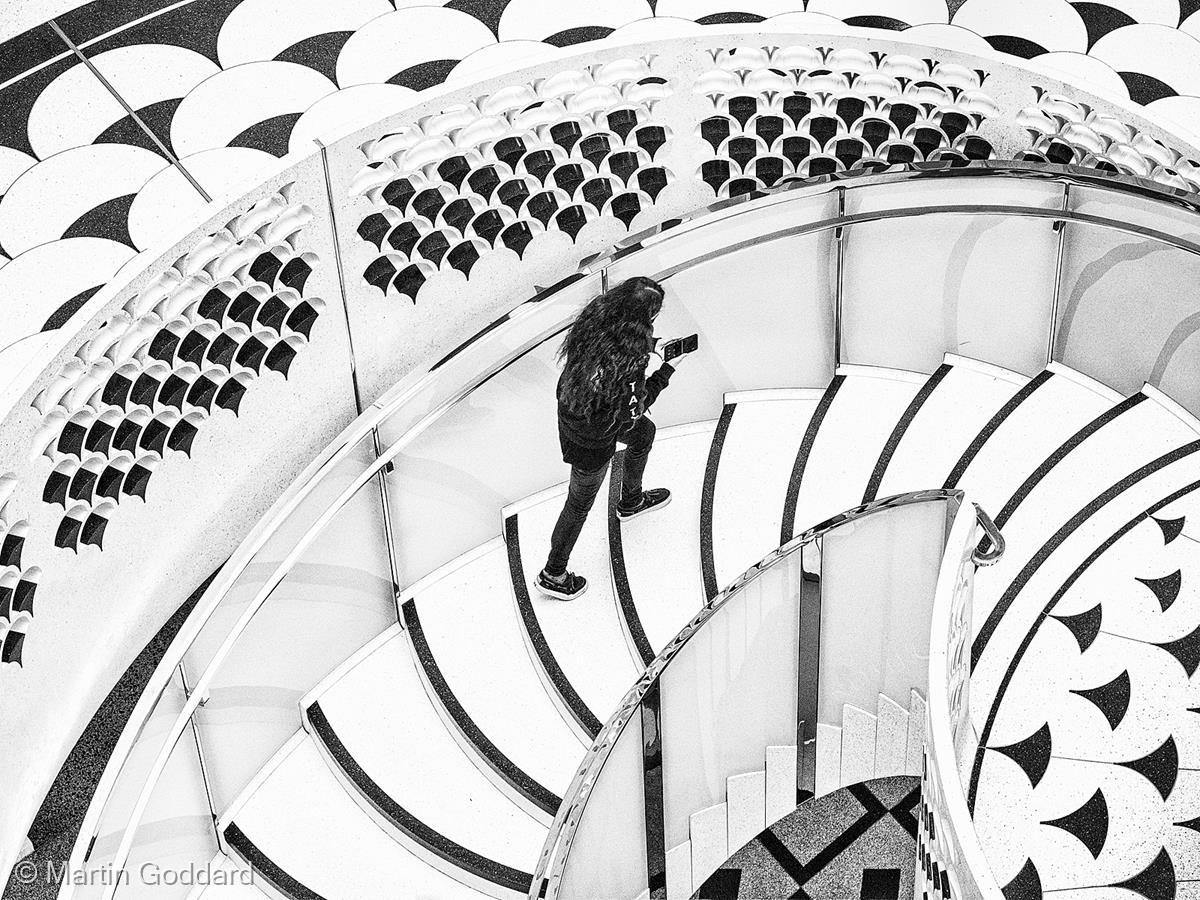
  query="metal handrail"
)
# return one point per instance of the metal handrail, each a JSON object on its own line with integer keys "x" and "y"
{"x": 394, "y": 400}
{"x": 566, "y": 821}
{"x": 991, "y": 548}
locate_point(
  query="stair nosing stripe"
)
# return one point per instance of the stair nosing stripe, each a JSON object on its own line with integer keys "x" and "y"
{"x": 267, "y": 867}
{"x": 533, "y": 630}
{"x": 620, "y": 574}
{"x": 515, "y": 776}
{"x": 708, "y": 566}
{"x": 433, "y": 841}
{"x": 788, "y": 527}
{"x": 902, "y": 425}
{"x": 993, "y": 425}
{"x": 1031, "y": 567}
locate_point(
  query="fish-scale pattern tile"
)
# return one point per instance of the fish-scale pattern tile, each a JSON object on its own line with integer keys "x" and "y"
{"x": 498, "y": 171}
{"x": 18, "y": 581}
{"x": 784, "y": 114}
{"x": 1068, "y": 132}
{"x": 232, "y": 309}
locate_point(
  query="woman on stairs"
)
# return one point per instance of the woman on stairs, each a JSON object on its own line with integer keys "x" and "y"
{"x": 603, "y": 395}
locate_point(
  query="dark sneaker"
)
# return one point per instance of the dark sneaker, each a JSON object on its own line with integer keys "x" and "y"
{"x": 568, "y": 587}
{"x": 655, "y": 498}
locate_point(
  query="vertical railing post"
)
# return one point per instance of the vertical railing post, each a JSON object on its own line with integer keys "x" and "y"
{"x": 653, "y": 791}
{"x": 204, "y": 776}
{"x": 389, "y": 537}
{"x": 839, "y": 237}
{"x": 1060, "y": 226}
{"x": 808, "y": 646}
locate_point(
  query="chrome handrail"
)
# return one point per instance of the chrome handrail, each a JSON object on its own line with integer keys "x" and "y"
{"x": 394, "y": 400}
{"x": 566, "y": 821}
{"x": 991, "y": 548}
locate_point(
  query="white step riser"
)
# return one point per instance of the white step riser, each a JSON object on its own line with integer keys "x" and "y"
{"x": 709, "y": 829}
{"x": 745, "y": 796}
{"x": 866, "y": 745}
{"x": 780, "y": 783}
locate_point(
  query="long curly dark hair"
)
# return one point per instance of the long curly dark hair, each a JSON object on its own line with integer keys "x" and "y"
{"x": 607, "y": 347}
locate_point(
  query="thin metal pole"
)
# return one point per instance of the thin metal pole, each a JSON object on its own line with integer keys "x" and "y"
{"x": 131, "y": 112}
{"x": 385, "y": 503}
{"x": 839, "y": 236}
{"x": 1060, "y": 225}
{"x": 808, "y": 670}
{"x": 204, "y": 776}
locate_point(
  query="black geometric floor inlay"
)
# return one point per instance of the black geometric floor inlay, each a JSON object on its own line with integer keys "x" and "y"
{"x": 1171, "y": 528}
{"x": 1085, "y": 626}
{"x": 1160, "y": 768}
{"x": 858, "y": 842}
{"x": 1166, "y": 589}
{"x": 1031, "y": 754}
{"x": 1027, "y": 885}
{"x": 1089, "y": 823}
{"x": 1112, "y": 699}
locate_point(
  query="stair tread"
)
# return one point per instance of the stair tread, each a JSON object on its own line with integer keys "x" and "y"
{"x": 473, "y": 630}
{"x": 1028, "y": 435}
{"x": 752, "y": 480}
{"x": 381, "y": 713}
{"x": 585, "y": 635}
{"x": 848, "y": 443}
{"x": 942, "y": 429}
{"x": 304, "y": 820}
{"x": 667, "y": 597}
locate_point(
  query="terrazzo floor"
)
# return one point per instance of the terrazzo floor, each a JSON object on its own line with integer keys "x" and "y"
{"x": 858, "y": 842}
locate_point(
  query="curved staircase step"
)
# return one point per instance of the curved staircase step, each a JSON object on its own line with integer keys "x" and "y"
{"x": 665, "y": 596}
{"x": 464, "y": 619}
{"x": 966, "y": 396}
{"x": 580, "y": 646}
{"x": 1048, "y": 410}
{"x": 845, "y": 438}
{"x": 306, "y": 836}
{"x": 748, "y": 479}
{"x": 376, "y": 723}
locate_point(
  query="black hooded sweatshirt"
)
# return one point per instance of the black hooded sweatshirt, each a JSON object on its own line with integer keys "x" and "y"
{"x": 590, "y": 443}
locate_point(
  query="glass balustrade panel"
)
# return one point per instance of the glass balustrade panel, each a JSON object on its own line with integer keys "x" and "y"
{"x": 608, "y": 856}
{"x": 878, "y": 576}
{"x": 1127, "y": 312}
{"x": 730, "y": 693}
{"x": 973, "y": 284}
{"x": 327, "y": 486}
{"x": 176, "y": 840}
{"x": 764, "y": 315}
{"x": 336, "y": 598}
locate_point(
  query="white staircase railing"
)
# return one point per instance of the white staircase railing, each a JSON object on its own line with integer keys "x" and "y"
{"x": 673, "y": 785}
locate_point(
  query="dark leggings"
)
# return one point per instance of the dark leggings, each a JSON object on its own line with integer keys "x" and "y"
{"x": 585, "y": 485}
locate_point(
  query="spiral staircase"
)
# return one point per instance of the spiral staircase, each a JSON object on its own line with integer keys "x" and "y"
{"x": 437, "y": 755}
{"x": 942, "y": 287}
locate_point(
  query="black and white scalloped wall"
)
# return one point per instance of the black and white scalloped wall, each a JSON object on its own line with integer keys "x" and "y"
{"x": 122, "y": 119}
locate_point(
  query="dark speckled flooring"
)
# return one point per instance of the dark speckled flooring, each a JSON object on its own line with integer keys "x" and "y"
{"x": 58, "y": 821}
{"x": 858, "y": 843}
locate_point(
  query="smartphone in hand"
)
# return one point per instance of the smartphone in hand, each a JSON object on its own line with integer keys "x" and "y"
{"x": 679, "y": 346}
